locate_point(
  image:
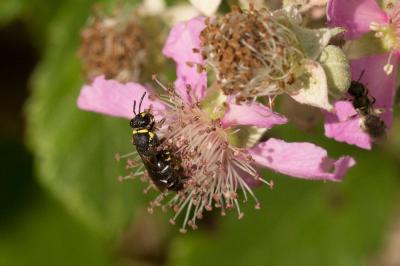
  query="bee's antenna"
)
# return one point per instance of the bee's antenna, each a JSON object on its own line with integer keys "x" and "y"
{"x": 141, "y": 100}
{"x": 134, "y": 107}
{"x": 362, "y": 73}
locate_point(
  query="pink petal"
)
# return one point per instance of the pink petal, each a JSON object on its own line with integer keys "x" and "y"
{"x": 355, "y": 15}
{"x": 112, "y": 98}
{"x": 344, "y": 126}
{"x": 303, "y": 160}
{"x": 182, "y": 39}
{"x": 315, "y": 93}
{"x": 251, "y": 114}
{"x": 380, "y": 85}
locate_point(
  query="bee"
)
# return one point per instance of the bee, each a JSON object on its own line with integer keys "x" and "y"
{"x": 371, "y": 123}
{"x": 163, "y": 169}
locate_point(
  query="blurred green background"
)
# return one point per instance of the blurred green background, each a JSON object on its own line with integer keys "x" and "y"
{"x": 61, "y": 204}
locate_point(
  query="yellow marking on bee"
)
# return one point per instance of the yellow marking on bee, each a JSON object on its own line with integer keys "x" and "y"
{"x": 169, "y": 156}
{"x": 143, "y": 114}
{"x": 145, "y": 130}
{"x": 151, "y": 134}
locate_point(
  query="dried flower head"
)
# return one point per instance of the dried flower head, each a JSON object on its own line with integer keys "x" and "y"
{"x": 252, "y": 52}
{"x": 114, "y": 46}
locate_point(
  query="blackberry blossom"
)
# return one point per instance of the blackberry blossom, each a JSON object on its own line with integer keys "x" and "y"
{"x": 219, "y": 173}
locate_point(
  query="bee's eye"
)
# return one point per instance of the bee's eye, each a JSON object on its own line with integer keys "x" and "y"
{"x": 144, "y": 120}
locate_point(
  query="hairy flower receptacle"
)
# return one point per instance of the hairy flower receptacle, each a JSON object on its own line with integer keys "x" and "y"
{"x": 252, "y": 53}
{"x": 216, "y": 168}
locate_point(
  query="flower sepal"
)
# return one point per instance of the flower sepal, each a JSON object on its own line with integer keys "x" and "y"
{"x": 313, "y": 41}
{"x": 337, "y": 70}
{"x": 313, "y": 86}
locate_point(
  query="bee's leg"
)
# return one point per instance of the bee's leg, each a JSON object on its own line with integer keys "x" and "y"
{"x": 161, "y": 123}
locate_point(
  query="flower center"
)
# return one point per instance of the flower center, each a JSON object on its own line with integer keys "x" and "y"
{"x": 216, "y": 170}
{"x": 214, "y": 173}
{"x": 251, "y": 52}
{"x": 389, "y": 33}
{"x": 394, "y": 21}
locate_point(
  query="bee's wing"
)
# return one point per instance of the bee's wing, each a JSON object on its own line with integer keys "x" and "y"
{"x": 378, "y": 111}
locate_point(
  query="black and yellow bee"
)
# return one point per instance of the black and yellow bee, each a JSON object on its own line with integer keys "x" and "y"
{"x": 163, "y": 169}
{"x": 372, "y": 124}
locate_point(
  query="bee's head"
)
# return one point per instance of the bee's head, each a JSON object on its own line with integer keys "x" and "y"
{"x": 357, "y": 89}
{"x": 142, "y": 120}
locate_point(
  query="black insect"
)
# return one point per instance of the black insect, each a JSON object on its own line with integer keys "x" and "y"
{"x": 363, "y": 103}
{"x": 163, "y": 169}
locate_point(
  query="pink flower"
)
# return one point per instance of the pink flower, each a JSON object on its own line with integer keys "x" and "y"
{"x": 204, "y": 140}
{"x": 355, "y": 16}
{"x": 359, "y": 17}
{"x": 302, "y": 160}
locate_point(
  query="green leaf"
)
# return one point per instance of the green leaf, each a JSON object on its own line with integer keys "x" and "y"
{"x": 9, "y": 10}
{"x": 337, "y": 69}
{"x": 313, "y": 41}
{"x": 45, "y": 235}
{"x": 36, "y": 15}
{"x": 75, "y": 150}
